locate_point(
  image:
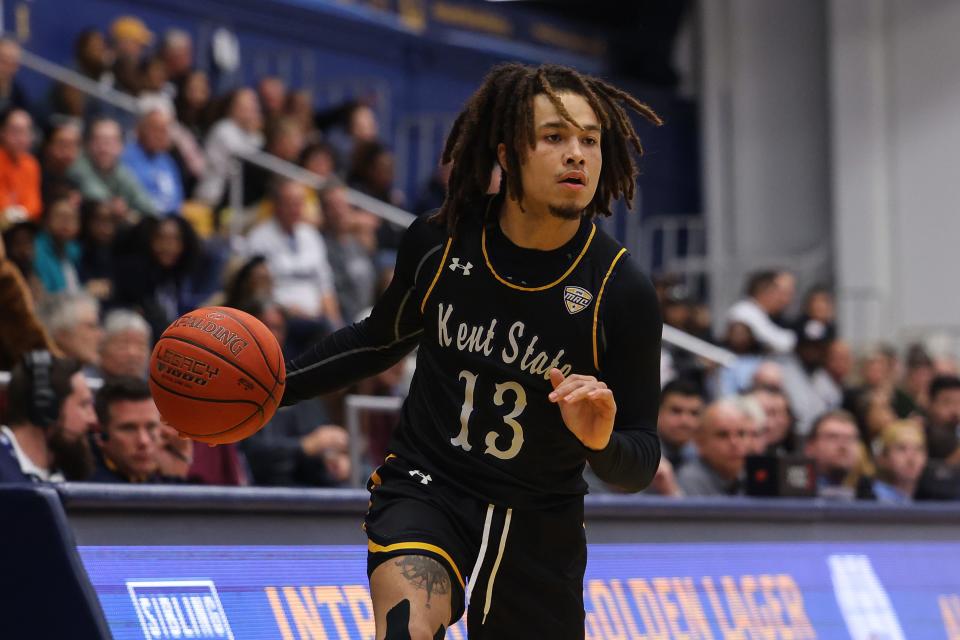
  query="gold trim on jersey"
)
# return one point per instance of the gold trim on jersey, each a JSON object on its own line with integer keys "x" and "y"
{"x": 596, "y": 307}
{"x": 443, "y": 261}
{"x": 373, "y": 547}
{"x": 483, "y": 248}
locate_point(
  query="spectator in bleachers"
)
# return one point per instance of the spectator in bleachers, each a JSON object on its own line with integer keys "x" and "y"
{"x": 319, "y": 158}
{"x": 239, "y": 131}
{"x": 12, "y": 95}
{"x": 781, "y": 437}
{"x": 769, "y": 294}
{"x": 297, "y": 257}
{"x": 943, "y": 420}
{"x": 131, "y": 39}
{"x": 432, "y": 194}
{"x": 19, "y": 170}
{"x": 98, "y": 237}
{"x": 148, "y": 159}
{"x": 101, "y": 176}
{"x": 252, "y": 283}
{"x": 901, "y": 456}
{"x": 756, "y": 423}
{"x": 19, "y": 241}
{"x": 299, "y": 107}
{"x": 57, "y": 252}
{"x": 918, "y": 376}
{"x": 769, "y": 375}
{"x": 155, "y": 88}
{"x": 681, "y": 409}
{"x": 284, "y": 139}
{"x": 722, "y": 450}
{"x": 879, "y": 372}
{"x": 372, "y": 172}
{"x": 354, "y": 272}
{"x": 738, "y": 377}
{"x": 272, "y": 93}
{"x": 191, "y": 107}
{"x": 299, "y": 447}
{"x": 73, "y": 320}
{"x": 125, "y": 347}
{"x": 159, "y": 277}
{"x": 348, "y": 126}
{"x": 20, "y": 328}
{"x": 175, "y": 454}
{"x": 875, "y": 414}
{"x": 61, "y": 148}
{"x": 799, "y": 370}
{"x": 176, "y": 52}
{"x": 193, "y": 102}
{"x": 830, "y": 382}
{"x": 45, "y": 439}
{"x": 93, "y": 58}
{"x": 128, "y": 438}
{"x": 818, "y": 317}
{"x": 834, "y": 445}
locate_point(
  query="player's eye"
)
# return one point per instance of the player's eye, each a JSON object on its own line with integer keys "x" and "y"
{"x": 590, "y": 141}
{"x": 553, "y": 137}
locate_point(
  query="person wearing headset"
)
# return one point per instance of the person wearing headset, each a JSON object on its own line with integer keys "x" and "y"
{"x": 130, "y": 443}
{"x": 49, "y": 414}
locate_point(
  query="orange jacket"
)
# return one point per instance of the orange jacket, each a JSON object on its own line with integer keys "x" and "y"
{"x": 20, "y": 183}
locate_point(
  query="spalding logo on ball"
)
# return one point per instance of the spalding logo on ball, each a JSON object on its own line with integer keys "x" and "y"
{"x": 217, "y": 375}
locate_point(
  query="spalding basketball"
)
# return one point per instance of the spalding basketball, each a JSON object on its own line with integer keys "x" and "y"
{"x": 217, "y": 375}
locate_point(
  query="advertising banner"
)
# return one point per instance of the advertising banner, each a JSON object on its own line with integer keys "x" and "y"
{"x": 740, "y": 591}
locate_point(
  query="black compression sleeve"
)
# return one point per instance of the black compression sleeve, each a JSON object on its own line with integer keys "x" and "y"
{"x": 630, "y": 365}
{"x": 381, "y": 340}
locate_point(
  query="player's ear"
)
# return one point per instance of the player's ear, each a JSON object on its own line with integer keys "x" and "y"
{"x": 502, "y": 157}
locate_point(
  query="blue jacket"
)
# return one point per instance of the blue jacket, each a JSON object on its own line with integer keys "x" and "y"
{"x": 46, "y": 262}
{"x": 159, "y": 176}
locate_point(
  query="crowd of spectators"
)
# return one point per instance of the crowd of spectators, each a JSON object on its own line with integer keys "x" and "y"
{"x": 885, "y": 430}
{"x": 114, "y": 224}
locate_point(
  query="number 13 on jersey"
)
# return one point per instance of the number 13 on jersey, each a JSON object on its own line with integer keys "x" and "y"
{"x": 519, "y": 404}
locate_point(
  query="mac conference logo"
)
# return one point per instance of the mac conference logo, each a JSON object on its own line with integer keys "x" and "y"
{"x": 179, "y": 609}
{"x": 576, "y": 299}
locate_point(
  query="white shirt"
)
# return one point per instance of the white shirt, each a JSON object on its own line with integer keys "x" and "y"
{"x": 765, "y": 330}
{"x": 26, "y": 464}
{"x": 224, "y": 141}
{"x": 298, "y": 264}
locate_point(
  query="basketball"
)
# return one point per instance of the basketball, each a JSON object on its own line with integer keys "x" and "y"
{"x": 217, "y": 375}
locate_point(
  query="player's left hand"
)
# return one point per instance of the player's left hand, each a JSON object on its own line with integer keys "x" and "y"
{"x": 587, "y": 407}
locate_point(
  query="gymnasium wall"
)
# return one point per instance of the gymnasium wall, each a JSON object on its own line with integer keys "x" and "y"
{"x": 830, "y": 137}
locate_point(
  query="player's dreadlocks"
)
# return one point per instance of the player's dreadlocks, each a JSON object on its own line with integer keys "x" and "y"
{"x": 501, "y": 110}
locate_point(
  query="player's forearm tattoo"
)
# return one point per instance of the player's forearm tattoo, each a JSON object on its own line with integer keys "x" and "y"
{"x": 425, "y": 573}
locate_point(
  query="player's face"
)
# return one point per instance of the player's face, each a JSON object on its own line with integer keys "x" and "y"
{"x": 560, "y": 174}
{"x": 133, "y": 437}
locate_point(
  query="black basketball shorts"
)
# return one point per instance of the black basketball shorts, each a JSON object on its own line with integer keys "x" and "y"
{"x": 520, "y": 570}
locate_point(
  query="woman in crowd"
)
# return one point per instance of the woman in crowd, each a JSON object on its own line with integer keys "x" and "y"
{"x": 160, "y": 278}
{"x": 98, "y": 239}
{"x": 57, "y": 250}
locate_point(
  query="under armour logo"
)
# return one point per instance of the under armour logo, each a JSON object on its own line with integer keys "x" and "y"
{"x": 456, "y": 265}
{"x": 424, "y": 478}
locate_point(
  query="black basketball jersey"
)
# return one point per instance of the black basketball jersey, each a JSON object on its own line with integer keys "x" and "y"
{"x": 478, "y": 412}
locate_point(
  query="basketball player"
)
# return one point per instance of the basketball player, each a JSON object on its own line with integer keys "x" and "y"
{"x": 539, "y": 345}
